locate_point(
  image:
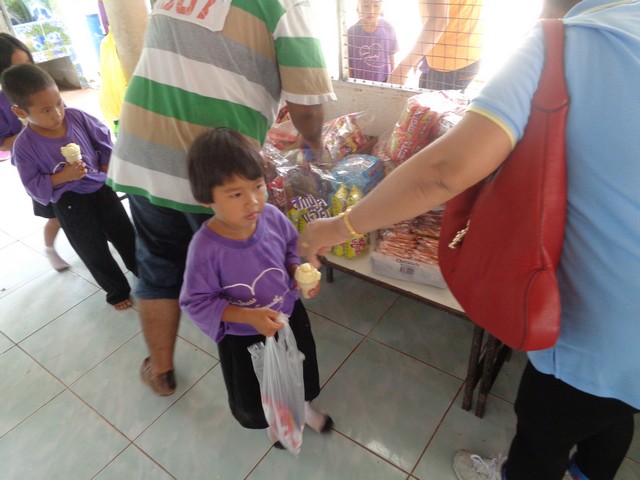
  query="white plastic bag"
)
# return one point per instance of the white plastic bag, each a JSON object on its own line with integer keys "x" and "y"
{"x": 278, "y": 366}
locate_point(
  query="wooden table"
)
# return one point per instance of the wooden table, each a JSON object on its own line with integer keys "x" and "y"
{"x": 486, "y": 355}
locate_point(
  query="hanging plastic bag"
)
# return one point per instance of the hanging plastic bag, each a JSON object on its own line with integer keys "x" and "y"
{"x": 278, "y": 366}
{"x": 114, "y": 83}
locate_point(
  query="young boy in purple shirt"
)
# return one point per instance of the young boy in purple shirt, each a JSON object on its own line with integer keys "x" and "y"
{"x": 90, "y": 213}
{"x": 240, "y": 272}
{"x": 372, "y": 44}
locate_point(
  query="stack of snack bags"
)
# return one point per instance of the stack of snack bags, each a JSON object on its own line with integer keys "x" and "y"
{"x": 409, "y": 250}
{"x": 305, "y": 184}
{"x": 425, "y": 117}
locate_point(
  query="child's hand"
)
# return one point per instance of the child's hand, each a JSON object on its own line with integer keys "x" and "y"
{"x": 75, "y": 171}
{"x": 314, "y": 291}
{"x": 264, "y": 321}
{"x": 68, "y": 173}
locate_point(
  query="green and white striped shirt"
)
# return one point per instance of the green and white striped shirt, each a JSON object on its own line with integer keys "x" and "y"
{"x": 211, "y": 63}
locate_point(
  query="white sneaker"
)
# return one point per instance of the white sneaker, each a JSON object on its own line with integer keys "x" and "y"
{"x": 469, "y": 466}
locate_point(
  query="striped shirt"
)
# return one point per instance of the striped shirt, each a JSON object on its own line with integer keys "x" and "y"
{"x": 220, "y": 63}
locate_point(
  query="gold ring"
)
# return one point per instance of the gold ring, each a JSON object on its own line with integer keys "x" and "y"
{"x": 305, "y": 245}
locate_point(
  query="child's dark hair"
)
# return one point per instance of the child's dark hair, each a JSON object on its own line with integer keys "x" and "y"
{"x": 217, "y": 155}
{"x": 8, "y": 46}
{"x": 20, "y": 82}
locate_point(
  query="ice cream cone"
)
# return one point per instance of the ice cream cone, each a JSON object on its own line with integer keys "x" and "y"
{"x": 305, "y": 288}
{"x": 307, "y": 277}
{"x": 71, "y": 152}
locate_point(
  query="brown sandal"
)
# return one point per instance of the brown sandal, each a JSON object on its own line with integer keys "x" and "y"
{"x": 162, "y": 384}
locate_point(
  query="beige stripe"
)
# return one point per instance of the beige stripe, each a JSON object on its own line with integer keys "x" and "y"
{"x": 248, "y": 30}
{"x": 305, "y": 81}
{"x": 166, "y": 131}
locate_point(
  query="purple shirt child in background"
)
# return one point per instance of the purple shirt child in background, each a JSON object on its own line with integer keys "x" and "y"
{"x": 372, "y": 44}
{"x": 10, "y": 124}
{"x": 42, "y": 157}
{"x": 90, "y": 212}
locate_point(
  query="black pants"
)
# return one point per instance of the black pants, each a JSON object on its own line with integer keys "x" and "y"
{"x": 553, "y": 417}
{"x": 453, "y": 80}
{"x": 243, "y": 388}
{"x": 90, "y": 221}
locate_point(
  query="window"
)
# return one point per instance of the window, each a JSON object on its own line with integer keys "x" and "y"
{"x": 490, "y": 29}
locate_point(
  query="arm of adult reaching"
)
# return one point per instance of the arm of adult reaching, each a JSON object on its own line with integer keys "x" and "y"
{"x": 308, "y": 120}
{"x": 435, "y": 15}
{"x": 462, "y": 157}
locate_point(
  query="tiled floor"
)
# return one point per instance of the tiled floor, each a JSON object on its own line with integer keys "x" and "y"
{"x": 74, "y": 408}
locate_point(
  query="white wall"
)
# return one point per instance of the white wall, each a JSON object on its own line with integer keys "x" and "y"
{"x": 384, "y": 103}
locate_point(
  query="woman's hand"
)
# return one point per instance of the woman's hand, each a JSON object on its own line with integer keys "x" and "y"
{"x": 318, "y": 238}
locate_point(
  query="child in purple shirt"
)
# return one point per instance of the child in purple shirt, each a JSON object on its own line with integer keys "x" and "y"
{"x": 14, "y": 52}
{"x": 240, "y": 272}
{"x": 90, "y": 212}
{"x": 372, "y": 44}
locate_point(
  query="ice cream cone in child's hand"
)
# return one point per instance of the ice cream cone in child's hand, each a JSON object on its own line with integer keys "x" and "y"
{"x": 307, "y": 277}
{"x": 71, "y": 152}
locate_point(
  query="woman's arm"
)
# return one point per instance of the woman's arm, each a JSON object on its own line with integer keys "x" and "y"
{"x": 469, "y": 152}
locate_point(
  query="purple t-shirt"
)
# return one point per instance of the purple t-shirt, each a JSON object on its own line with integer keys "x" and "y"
{"x": 370, "y": 52}
{"x": 10, "y": 124}
{"x": 251, "y": 273}
{"x": 38, "y": 157}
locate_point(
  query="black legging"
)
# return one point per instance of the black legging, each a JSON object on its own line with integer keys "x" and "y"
{"x": 553, "y": 417}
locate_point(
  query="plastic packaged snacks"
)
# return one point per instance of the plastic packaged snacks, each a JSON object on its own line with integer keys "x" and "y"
{"x": 425, "y": 117}
{"x": 409, "y": 250}
{"x": 362, "y": 171}
{"x": 302, "y": 210}
{"x": 345, "y": 135}
{"x": 289, "y": 175}
{"x": 344, "y": 198}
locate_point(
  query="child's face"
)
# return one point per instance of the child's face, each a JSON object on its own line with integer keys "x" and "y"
{"x": 46, "y": 110}
{"x": 238, "y": 204}
{"x": 18, "y": 57}
{"x": 370, "y": 12}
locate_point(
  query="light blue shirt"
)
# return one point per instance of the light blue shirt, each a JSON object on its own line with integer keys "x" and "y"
{"x": 599, "y": 347}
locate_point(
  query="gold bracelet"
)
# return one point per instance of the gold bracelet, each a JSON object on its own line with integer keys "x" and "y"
{"x": 345, "y": 218}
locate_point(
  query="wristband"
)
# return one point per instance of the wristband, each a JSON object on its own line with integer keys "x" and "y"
{"x": 345, "y": 218}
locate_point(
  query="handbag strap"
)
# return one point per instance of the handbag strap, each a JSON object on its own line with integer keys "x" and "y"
{"x": 552, "y": 88}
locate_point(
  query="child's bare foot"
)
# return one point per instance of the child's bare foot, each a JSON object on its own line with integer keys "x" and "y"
{"x": 123, "y": 305}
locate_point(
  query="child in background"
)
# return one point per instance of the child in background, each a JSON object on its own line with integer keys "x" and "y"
{"x": 240, "y": 272}
{"x": 372, "y": 44}
{"x": 90, "y": 212}
{"x": 14, "y": 52}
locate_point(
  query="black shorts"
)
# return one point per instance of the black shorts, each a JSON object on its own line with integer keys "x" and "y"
{"x": 44, "y": 211}
{"x": 243, "y": 388}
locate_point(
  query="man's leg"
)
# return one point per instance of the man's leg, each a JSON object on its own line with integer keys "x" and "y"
{"x": 160, "y": 321}
{"x": 162, "y": 240}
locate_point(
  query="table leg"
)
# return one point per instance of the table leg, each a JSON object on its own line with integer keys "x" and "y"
{"x": 495, "y": 355}
{"x": 473, "y": 368}
{"x": 329, "y": 275}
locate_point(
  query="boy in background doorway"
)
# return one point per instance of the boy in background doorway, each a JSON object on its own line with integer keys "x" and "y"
{"x": 372, "y": 44}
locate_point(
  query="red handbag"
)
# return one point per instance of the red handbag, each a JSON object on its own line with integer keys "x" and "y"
{"x": 501, "y": 239}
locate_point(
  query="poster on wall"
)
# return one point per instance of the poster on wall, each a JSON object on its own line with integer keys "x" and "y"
{"x": 44, "y": 33}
